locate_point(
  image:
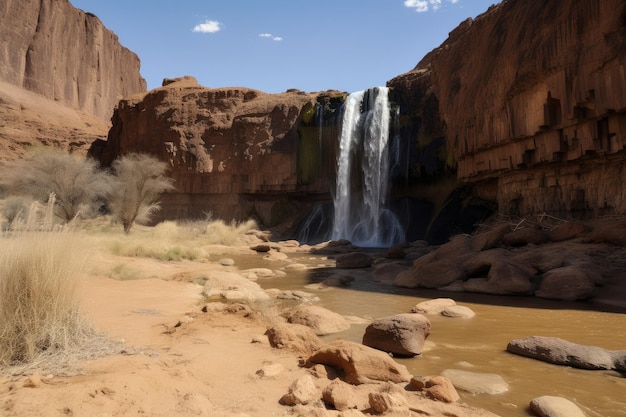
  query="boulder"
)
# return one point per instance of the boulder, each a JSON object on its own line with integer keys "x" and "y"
{"x": 562, "y": 352}
{"x": 458, "y": 312}
{"x": 320, "y": 319}
{"x": 565, "y": 231}
{"x": 524, "y": 236}
{"x": 343, "y": 396}
{"x": 301, "y": 391}
{"x": 386, "y": 272}
{"x": 569, "y": 283}
{"x": 436, "y": 274}
{"x": 490, "y": 238}
{"x": 504, "y": 278}
{"x": 359, "y": 364}
{"x": 434, "y": 306}
{"x": 354, "y": 260}
{"x": 401, "y": 334}
{"x": 440, "y": 388}
{"x": 338, "y": 280}
{"x": 385, "y": 402}
{"x": 232, "y": 286}
{"x": 295, "y": 337}
{"x": 476, "y": 382}
{"x": 550, "y": 406}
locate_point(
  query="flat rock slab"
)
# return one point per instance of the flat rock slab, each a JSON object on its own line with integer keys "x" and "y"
{"x": 563, "y": 352}
{"x": 476, "y": 382}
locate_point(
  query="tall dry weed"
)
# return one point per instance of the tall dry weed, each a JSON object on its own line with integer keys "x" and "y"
{"x": 39, "y": 304}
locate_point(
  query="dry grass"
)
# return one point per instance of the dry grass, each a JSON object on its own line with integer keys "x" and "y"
{"x": 170, "y": 241}
{"x": 40, "y": 319}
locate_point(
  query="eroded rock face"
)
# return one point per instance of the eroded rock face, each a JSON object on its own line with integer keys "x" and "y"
{"x": 64, "y": 54}
{"x": 535, "y": 119}
{"x": 223, "y": 145}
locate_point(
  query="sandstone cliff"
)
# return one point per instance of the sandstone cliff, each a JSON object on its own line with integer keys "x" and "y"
{"x": 533, "y": 96}
{"x": 53, "y": 49}
{"x": 232, "y": 151}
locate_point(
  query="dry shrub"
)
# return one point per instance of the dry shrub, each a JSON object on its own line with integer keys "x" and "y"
{"x": 39, "y": 304}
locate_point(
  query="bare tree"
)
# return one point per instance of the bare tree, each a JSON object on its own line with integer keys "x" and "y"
{"x": 77, "y": 183}
{"x": 139, "y": 180}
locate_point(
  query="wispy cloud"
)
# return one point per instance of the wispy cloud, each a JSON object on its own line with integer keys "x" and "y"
{"x": 422, "y": 6}
{"x": 209, "y": 26}
{"x": 270, "y": 36}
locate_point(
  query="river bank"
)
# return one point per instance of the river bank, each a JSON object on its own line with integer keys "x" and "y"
{"x": 175, "y": 359}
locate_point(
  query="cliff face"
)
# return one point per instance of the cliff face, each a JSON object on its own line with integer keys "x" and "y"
{"x": 232, "y": 151}
{"x": 533, "y": 96}
{"x": 53, "y": 49}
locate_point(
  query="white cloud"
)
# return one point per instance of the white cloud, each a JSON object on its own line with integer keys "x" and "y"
{"x": 269, "y": 35}
{"x": 210, "y": 26}
{"x": 422, "y": 6}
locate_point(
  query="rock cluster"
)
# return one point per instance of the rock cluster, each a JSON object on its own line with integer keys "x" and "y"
{"x": 554, "y": 264}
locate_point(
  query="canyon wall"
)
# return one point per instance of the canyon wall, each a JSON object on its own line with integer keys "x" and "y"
{"x": 56, "y": 50}
{"x": 234, "y": 152}
{"x": 533, "y": 97}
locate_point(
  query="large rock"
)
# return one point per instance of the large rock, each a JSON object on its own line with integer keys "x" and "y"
{"x": 301, "y": 391}
{"x": 64, "y": 54}
{"x": 550, "y": 406}
{"x": 359, "y": 364}
{"x": 569, "y": 283}
{"x": 354, "y": 260}
{"x": 296, "y": 337}
{"x": 320, "y": 319}
{"x": 401, "y": 334}
{"x": 232, "y": 287}
{"x": 563, "y": 352}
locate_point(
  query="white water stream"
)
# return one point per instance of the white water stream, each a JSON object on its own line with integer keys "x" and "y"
{"x": 361, "y": 212}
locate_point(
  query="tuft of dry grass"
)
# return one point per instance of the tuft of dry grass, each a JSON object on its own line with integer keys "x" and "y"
{"x": 171, "y": 241}
{"x": 40, "y": 318}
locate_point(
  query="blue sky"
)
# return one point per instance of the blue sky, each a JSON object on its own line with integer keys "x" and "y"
{"x": 275, "y": 45}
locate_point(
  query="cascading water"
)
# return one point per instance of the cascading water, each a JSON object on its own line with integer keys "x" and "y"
{"x": 361, "y": 213}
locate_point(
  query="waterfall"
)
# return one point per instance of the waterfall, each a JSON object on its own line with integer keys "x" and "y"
{"x": 360, "y": 201}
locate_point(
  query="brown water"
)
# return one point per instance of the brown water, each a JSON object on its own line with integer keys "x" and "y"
{"x": 479, "y": 344}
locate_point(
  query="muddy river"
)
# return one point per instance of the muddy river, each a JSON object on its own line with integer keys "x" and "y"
{"x": 479, "y": 344}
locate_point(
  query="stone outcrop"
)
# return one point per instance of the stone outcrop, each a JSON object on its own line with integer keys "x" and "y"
{"x": 534, "y": 119}
{"x": 62, "y": 53}
{"x": 232, "y": 151}
{"x": 487, "y": 263}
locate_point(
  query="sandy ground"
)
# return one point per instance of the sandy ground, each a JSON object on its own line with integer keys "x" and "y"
{"x": 207, "y": 366}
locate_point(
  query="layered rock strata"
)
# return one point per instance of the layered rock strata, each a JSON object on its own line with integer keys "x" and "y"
{"x": 62, "y": 53}
{"x": 233, "y": 152}
{"x": 533, "y": 99}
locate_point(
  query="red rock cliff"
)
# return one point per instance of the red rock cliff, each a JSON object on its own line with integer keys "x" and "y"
{"x": 53, "y": 49}
{"x": 232, "y": 151}
{"x": 533, "y": 96}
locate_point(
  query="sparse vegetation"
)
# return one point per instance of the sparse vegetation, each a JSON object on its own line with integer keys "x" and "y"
{"x": 139, "y": 179}
{"x": 77, "y": 184}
